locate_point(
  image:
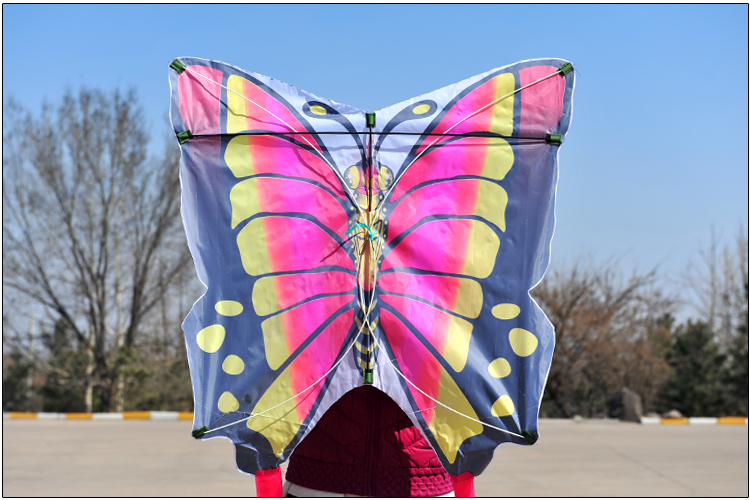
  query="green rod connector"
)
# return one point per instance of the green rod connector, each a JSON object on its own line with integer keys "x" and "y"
{"x": 177, "y": 66}
{"x": 200, "y": 432}
{"x": 367, "y": 376}
{"x": 185, "y": 136}
{"x": 554, "y": 139}
{"x": 370, "y": 120}
{"x": 529, "y": 437}
{"x": 565, "y": 68}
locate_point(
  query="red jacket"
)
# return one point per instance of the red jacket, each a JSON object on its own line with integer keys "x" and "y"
{"x": 366, "y": 445}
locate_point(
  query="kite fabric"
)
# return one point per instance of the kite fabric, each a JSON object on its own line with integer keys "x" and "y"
{"x": 397, "y": 248}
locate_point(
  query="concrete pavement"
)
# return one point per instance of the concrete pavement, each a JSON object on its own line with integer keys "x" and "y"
{"x": 622, "y": 459}
{"x": 160, "y": 458}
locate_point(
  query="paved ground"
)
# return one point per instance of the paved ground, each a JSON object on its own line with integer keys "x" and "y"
{"x": 148, "y": 458}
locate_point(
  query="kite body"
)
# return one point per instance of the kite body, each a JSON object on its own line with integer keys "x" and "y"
{"x": 340, "y": 248}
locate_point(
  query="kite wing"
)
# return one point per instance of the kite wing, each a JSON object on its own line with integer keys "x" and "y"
{"x": 469, "y": 222}
{"x": 337, "y": 251}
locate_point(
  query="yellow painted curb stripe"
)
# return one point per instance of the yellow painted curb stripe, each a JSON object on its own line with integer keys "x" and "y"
{"x": 79, "y": 416}
{"x": 674, "y": 421}
{"x": 732, "y": 421}
{"x": 136, "y": 415}
{"x": 185, "y": 415}
{"x": 23, "y": 415}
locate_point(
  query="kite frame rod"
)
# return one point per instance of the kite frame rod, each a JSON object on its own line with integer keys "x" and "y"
{"x": 490, "y": 135}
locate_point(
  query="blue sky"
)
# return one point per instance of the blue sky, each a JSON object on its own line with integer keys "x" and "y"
{"x": 656, "y": 156}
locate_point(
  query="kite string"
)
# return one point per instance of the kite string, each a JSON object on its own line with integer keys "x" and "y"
{"x": 302, "y": 136}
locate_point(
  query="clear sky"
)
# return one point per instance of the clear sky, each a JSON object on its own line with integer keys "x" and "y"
{"x": 657, "y": 153}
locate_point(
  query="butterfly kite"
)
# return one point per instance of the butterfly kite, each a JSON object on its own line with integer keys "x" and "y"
{"x": 395, "y": 248}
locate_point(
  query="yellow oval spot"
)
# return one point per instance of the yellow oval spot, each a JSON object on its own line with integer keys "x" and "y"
{"x": 318, "y": 110}
{"x": 421, "y": 109}
{"x": 503, "y": 406}
{"x": 210, "y": 338}
{"x": 228, "y": 307}
{"x": 228, "y": 403}
{"x": 506, "y": 311}
{"x": 523, "y": 342}
{"x": 233, "y": 365}
{"x": 499, "y": 368}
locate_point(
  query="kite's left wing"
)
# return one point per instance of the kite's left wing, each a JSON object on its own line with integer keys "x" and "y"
{"x": 266, "y": 213}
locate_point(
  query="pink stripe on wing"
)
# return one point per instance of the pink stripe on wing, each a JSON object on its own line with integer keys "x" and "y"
{"x": 414, "y": 361}
{"x": 440, "y": 290}
{"x": 273, "y": 155}
{"x": 300, "y": 322}
{"x": 294, "y": 288}
{"x": 288, "y": 195}
{"x": 439, "y": 245}
{"x": 200, "y": 100}
{"x": 461, "y": 157}
{"x": 430, "y": 322}
{"x": 261, "y": 111}
{"x": 542, "y": 103}
{"x": 316, "y": 360}
{"x": 457, "y": 197}
{"x": 475, "y": 100}
{"x": 296, "y": 244}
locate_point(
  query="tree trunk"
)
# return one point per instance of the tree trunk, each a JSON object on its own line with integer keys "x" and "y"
{"x": 88, "y": 394}
{"x": 118, "y": 393}
{"x": 30, "y": 377}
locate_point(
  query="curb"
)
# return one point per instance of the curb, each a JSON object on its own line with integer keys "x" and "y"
{"x": 188, "y": 415}
{"x": 126, "y": 415}
{"x": 694, "y": 421}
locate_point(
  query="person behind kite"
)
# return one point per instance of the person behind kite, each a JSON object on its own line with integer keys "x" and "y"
{"x": 365, "y": 445}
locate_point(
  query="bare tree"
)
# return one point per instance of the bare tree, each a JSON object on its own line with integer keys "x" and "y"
{"x": 606, "y": 333}
{"x": 91, "y": 228}
{"x": 716, "y": 287}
